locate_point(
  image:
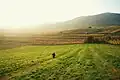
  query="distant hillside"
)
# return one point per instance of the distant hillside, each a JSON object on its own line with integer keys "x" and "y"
{"x": 110, "y": 29}
{"x": 100, "y": 20}
{"x": 96, "y": 21}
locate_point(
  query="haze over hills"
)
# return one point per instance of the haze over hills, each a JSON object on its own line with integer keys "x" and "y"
{"x": 100, "y": 20}
{"x": 96, "y": 21}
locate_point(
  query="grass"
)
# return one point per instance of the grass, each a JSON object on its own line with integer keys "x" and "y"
{"x": 72, "y": 62}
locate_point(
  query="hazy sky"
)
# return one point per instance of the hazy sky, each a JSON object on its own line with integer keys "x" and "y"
{"x": 34, "y": 12}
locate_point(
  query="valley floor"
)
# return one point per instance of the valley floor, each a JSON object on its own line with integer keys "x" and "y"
{"x": 72, "y": 62}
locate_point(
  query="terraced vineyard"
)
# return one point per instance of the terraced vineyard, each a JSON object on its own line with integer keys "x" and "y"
{"x": 72, "y": 62}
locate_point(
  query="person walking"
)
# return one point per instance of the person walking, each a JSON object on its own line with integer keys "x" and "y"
{"x": 53, "y": 55}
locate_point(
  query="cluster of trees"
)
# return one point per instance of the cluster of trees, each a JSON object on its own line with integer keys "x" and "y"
{"x": 92, "y": 39}
{"x": 105, "y": 39}
{"x": 114, "y": 40}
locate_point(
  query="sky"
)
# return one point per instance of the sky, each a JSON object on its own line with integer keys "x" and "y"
{"x": 21, "y": 13}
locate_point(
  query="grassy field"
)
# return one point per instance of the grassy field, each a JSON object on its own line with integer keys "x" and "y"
{"x": 72, "y": 62}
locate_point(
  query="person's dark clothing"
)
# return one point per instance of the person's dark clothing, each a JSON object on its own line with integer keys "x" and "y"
{"x": 53, "y": 55}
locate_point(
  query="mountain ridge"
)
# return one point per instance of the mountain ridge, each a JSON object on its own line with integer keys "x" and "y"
{"x": 104, "y": 19}
{"x": 95, "y": 21}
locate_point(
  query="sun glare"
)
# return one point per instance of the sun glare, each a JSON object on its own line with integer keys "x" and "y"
{"x": 17, "y": 13}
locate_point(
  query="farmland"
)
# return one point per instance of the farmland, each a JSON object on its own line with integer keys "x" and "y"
{"x": 72, "y": 62}
{"x": 109, "y": 35}
{"x": 81, "y": 54}
{"x": 82, "y": 48}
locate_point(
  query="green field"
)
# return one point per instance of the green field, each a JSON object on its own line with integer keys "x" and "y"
{"x": 72, "y": 62}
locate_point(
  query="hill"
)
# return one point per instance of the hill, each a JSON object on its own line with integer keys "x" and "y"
{"x": 96, "y": 21}
{"x": 110, "y": 29}
{"x": 100, "y": 20}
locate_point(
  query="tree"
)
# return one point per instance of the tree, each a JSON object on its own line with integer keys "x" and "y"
{"x": 90, "y": 27}
{"x": 90, "y": 39}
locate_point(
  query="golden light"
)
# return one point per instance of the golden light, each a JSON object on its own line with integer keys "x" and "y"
{"x": 17, "y": 13}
